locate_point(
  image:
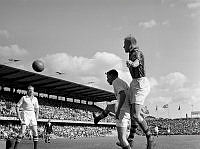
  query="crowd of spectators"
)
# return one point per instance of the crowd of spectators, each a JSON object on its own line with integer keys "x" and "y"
{"x": 58, "y": 110}
{"x": 181, "y": 126}
{"x": 81, "y": 131}
{"x": 51, "y": 109}
{"x": 71, "y": 132}
{"x": 7, "y": 130}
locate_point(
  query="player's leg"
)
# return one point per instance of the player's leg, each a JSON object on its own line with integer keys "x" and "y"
{"x": 104, "y": 113}
{"x": 122, "y": 126}
{"x": 48, "y": 139}
{"x": 122, "y": 137}
{"x": 33, "y": 124}
{"x": 132, "y": 132}
{"x": 20, "y": 136}
{"x": 135, "y": 112}
{"x": 35, "y": 136}
{"x": 133, "y": 129}
{"x": 45, "y": 138}
{"x": 134, "y": 123}
{"x": 30, "y": 134}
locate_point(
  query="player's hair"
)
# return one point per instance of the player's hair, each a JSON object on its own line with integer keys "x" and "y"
{"x": 112, "y": 72}
{"x": 131, "y": 39}
{"x": 30, "y": 86}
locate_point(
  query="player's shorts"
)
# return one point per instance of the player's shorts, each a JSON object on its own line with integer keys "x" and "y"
{"x": 139, "y": 89}
{"x": 124, "y": 119}
{"x": 28, "y": 118}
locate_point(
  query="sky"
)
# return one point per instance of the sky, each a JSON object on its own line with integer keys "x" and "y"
{"x": 84, "y": 39}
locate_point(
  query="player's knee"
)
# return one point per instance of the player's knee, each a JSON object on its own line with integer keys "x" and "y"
{"x": 35, "y": 132}
{"x": 35, "y": 138}
{"x": 138, "y": 118}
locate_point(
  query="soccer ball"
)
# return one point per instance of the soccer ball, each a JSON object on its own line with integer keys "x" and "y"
{"x": 38, "y": 66}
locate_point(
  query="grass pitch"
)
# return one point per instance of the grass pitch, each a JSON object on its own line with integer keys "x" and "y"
{"x": 162, "y": 142}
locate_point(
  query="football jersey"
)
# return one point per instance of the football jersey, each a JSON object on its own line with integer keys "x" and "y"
{"x": 120, "y": 85}
{"x": 139, "y": 71}
{"x": 28, "y": 103}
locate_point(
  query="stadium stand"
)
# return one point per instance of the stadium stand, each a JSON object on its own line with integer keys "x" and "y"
{"x": 70, "y": 119}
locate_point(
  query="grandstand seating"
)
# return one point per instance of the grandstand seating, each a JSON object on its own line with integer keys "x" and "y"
{"x": 60, "y": 110}
{"x": 55, "y": 110}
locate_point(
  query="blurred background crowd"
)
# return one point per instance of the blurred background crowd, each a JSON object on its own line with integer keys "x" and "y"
{"x": 58, "y": 110}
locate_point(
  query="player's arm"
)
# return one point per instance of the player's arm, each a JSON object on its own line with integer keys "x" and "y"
{"x": 134, "y": 60}
{"x": 134, "y": 63}
{"x": 121, "y": 102}
{"x": 36, "y": 109}
{"x": 37, "y": 113}
{"x": 18, "y": 106}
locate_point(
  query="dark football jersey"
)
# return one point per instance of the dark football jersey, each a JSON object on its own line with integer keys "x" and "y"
{"x": 139, "y": 71}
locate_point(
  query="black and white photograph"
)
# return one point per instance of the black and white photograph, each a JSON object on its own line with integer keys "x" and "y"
{"x": 99, "y": 74}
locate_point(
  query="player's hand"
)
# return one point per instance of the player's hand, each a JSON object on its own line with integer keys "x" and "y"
{"x": 129, "y": 63}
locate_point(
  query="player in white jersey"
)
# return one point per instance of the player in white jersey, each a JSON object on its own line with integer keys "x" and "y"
{"x": 28, "y": 116}
{"x": 122, "y": 107}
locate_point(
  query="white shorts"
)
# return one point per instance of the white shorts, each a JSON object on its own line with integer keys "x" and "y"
{"x": 139, "y": 89}
{"x": 28, "y": 118}
{"x": 124, "y": 119}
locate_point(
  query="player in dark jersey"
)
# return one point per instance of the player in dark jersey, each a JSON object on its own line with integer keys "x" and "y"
{"x": 139, "y": 87}
{"x": 48, "y": 130}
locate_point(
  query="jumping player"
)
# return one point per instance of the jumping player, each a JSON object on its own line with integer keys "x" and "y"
{"x": 122, "y": 107}
{"x": 29, "y": 115}
{"x": 48, "y": 130}
{"x": 139, "y": 87}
